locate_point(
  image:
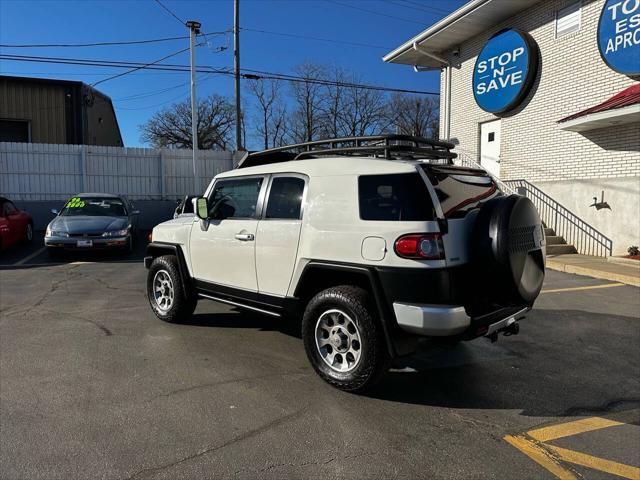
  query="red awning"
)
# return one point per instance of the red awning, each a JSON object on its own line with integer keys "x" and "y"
{"x": 627, "y": 97}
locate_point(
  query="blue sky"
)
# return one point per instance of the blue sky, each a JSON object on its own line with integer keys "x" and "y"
{"x": 84, "y": 21}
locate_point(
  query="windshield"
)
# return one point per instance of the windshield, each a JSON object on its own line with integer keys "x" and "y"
{"x": 94, "y": 207}
{"x": 461, "y": 190}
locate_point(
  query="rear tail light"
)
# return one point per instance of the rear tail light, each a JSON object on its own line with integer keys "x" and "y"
{"x": 425, "y": 246}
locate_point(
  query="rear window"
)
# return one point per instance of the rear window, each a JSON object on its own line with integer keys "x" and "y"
{"x": 461, "y": 191}
{"x": 394, "y": 197}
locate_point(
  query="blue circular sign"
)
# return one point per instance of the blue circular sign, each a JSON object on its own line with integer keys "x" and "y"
{"x": 505, "y": 70}
{"x": 619, "y": 35}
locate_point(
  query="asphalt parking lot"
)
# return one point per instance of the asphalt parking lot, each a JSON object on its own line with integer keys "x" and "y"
{"x": 92, "y": 385}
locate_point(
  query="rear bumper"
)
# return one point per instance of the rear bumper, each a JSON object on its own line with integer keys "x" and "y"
{"x": 452, "y": 320}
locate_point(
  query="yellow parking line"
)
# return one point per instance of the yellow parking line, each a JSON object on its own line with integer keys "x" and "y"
{"x": 553, "y": 432}
{"x": 596, "y": 463}
{"x": 541, "y": 456}
{"x": 29, "y": 257}
{"x": 590, "y": 287}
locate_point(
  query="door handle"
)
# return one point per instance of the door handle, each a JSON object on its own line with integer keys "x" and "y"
{"x": 245, "y": 237}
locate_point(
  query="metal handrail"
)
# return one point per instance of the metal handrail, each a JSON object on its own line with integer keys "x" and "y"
{"x": 586, "y": 239}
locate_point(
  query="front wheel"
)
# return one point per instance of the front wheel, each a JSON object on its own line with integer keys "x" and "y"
{"x": 343, "y": 339}
{"x": 166, "y": 293}
{"x": 28, "y": 234}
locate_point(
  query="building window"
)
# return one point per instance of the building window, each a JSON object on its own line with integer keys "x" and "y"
{"x": 492, "y": 136}
{"x": 568, "y": 20}
{"x": 14, "y": 131}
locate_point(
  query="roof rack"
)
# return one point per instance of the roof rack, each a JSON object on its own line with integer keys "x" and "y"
{"x": 391, "y": 147}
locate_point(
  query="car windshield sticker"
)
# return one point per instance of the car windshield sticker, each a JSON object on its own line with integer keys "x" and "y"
{"x": 75, "y": 202}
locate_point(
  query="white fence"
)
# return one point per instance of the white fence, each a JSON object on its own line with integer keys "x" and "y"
{"x": 38, "y": 171}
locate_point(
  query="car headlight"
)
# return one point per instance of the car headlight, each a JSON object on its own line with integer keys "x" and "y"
{"x": 117, "y": 233}
{"x": 55, "y": 233}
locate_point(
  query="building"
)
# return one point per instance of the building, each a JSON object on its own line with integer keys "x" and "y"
{"x": 544, "y": 94}
{"x": 38, "y": 110}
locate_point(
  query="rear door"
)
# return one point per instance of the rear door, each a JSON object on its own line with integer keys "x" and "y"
{"x": 222, "y": 248}
{"x": 460, "y": 193}
{"x": 279, "y": 232}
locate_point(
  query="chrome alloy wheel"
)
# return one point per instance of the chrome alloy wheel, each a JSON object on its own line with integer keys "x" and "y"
{"x": 338, "y": 340}
{"x": 163, "y": 290}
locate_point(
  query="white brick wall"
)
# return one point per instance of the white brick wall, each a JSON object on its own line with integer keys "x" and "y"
{"x": 572, "y": 77}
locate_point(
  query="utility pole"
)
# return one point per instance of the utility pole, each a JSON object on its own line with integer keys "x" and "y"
{"x": 194, "y": 28}
{"x": 236, "y": 68}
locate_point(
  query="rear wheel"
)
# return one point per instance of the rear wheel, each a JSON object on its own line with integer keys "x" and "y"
{"x": 166, "y": 293}
{"x": 343, "y": 339}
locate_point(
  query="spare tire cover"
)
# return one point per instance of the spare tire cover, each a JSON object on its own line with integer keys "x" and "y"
{"x": 508, "y": 251}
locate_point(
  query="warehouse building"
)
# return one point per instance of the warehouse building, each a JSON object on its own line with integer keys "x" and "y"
{"x": 544, "y": 95}
{"x": 38, "y": 110}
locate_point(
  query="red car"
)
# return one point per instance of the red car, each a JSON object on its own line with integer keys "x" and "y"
{"x": 16, "y": 226}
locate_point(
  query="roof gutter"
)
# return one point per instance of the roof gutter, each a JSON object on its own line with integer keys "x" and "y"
{"x": 441, "y": 25}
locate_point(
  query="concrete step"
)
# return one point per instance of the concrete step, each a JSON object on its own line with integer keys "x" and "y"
{"x": 555, "y": 240}
{"x": 560, "y": 249}
{"x": 549, "y": 232}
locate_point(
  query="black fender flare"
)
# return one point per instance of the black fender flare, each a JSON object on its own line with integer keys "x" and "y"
{"x": 157, "y": 249}
{"x": 387, "y": 318}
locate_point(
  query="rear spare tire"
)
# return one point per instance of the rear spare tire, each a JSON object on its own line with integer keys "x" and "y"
{"x": 508, "y": 251}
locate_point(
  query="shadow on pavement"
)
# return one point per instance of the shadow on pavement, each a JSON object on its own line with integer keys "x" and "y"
{"x": 568, "y": 370}
{"x": 239, "y": 318}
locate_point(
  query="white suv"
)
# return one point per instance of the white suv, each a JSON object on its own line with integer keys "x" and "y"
{"x": 374, "y": 242}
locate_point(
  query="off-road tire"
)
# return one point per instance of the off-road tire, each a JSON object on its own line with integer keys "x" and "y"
{"x": 358, "y": 305}
{"x": 183, "y": 305}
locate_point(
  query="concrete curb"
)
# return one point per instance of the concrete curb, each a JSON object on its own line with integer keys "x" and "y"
{"x": 623, "y": 261}
{"x": 591, "y": 272}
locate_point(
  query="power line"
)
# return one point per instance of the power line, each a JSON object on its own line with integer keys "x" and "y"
{"x": 307, "y": 37}
{"x": 104, "y": 44}
{"x": 247, "y": 73}
{"x": 421, "y": 6}
{"x": 373, "y": 12}
{"x": 164, "y": 102}
{"x": 170, "y": 12}
{"x": 139, "y": 67}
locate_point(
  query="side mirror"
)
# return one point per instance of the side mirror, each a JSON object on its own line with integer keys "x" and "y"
{"x": 202, "y": 209}
{"x": 55, "y": 211}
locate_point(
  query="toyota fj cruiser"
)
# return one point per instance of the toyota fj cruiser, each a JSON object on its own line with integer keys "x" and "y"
{"x": 374, "y": 242}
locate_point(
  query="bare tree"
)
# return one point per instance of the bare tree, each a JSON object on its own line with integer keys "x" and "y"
{"x": 270, "y": 121}
{"x": 364, "y": 111}
{"x": 414, "y": 115}
{"x": 279, "y": 126}
{"x": 171, "y": 127}
{"x": 332, "y": 105}
{"x": 308, "y": 99}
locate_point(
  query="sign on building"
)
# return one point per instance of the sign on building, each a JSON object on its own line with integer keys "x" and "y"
{"x": 619, "y": 35}
{"x": 505, "y": 70}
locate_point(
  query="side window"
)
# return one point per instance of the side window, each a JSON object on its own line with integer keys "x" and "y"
{"x": 285, "y": 198}
{"x": 235, "y": 198}
{"x": 397, "y": 197}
